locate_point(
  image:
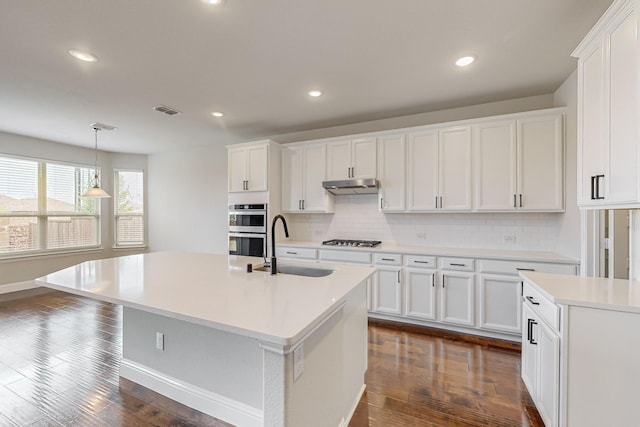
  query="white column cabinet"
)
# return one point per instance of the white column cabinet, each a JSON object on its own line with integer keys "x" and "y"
{"x": 248, "y": 167}
{"x": 350, "y": 159}
{"x": 519, "y": 164}
{"x": 439, "y": 170}
{"x": 303, "y": 170}
{"x": 391, "y": 173}
{"x": 608, "y": 98}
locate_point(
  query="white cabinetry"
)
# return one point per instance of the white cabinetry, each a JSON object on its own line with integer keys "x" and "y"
{"x": 509, "y": 156}
{"x": 391, "y": 173}
{"x": 248, "y": 167}
{"x": 387, "y": 285}
{"x": 457, "y": 297}
{"x": 439, "y": 170}
{"x": 608, "y": 97}
{"x": 303, "y": 170}
{"x": 351, "y": 159}
{"x": 420, "y": 287}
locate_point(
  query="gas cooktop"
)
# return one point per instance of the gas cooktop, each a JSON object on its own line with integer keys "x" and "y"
{"x": 353, "y": 243}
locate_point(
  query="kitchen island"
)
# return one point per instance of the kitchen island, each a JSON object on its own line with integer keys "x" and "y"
{"x": 249, "y": 348}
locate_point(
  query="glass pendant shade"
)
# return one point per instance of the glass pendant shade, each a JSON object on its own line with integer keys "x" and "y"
{"x": 95, "y": 191}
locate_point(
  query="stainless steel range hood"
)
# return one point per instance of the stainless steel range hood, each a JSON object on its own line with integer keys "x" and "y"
{"x": 352, "y": 186}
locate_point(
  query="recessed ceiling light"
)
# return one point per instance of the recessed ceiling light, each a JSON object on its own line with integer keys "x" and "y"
{"x": 83, "y": 55}
{"x": 217, "y": 114}
{"x": 315, "y": 93}
{"x": 465, "y": 60}
{"x": 216, "y": 2}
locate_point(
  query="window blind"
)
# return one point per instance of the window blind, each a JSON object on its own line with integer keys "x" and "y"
{"x": 129, "y": 208}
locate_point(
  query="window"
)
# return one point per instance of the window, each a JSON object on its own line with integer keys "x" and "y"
{"x": 41, "y": 208}
{"x": 129, "y": 208}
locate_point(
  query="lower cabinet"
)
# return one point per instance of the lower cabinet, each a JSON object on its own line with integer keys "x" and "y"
{"x": 457, "y": 298}
{"x": 541, "y": 361}
{"x": 500, "y": 303}
{"x": 388, "y": 290}
{"x": 420, "y": 290}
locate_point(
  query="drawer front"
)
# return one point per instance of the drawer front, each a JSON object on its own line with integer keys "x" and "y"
{"x": 356, "y": 257}
{"x": 388, "y": 259}
{"x": 513, "y": 267}
{"x": 458, "y": 264}
{"x": 420, "y": 261}
{"x": 542, "y": 306}
{"x": 296, "y": 253}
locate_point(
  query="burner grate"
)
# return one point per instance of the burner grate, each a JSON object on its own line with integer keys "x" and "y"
{"x": 353, "y": 243}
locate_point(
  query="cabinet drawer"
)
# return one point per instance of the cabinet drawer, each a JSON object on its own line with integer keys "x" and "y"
{"x": 297, "y": 253}
{"x": 345, "y": 256}
{"x": 458, "y": 264}
{"x": 420, "y": 261}
{"x": 513, "y": 267}
{"x": 388, "y": 259}
{"x": 542, "y": 306}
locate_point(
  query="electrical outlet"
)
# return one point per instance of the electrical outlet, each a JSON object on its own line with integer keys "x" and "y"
{"x": 421, "y": 236}
{"x": 509, "y": 238}
{"x": 160, "y": 341}
{"x": 298, "y": 362}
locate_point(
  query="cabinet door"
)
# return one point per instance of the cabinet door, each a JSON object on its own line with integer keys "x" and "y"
{"x": 338, "y": 160}
{"x": 500, "y": 303}
{"x": 457, "y": 298}
{"x": 548, "y": 374}
{"x": 420, "y": 299}
{"x": 529, "y": 353}
{"x": 363, "y": 158}
{"x": 592, "y": 140}
{"x": 422, "y": 171}
{"x": 315, "y": 198}
{"x": 622, "y": 181}
{"x": 237, "y": 174}
{"x": 495, "y": 155}
{"x": 541, "y": 163}
{"x": 257, "y": 168}
{"x": 455, "y": 168}
{"x": 388, "y": 291}
{"x": 292, "y": 165}
{"x": 391, "y": 173}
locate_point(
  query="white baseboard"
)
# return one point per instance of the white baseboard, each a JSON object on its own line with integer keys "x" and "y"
{"x": 346, "y": 422}
{"x": 206, "y": 401}
{"x": 19, "y": 286}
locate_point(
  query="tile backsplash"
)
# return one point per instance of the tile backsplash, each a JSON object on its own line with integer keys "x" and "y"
{"x": 357, "y": 217}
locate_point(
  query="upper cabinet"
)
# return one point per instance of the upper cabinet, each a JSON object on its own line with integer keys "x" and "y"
{"x": 391, "y": 173}
{"x": 303, "y": 170}
{"x": 439, "y": 170}
{"x": 349, "y": 159}
{"x": 248, "y": 167}
{"x": 519, "y": 164}
{"x": 608, "y": 85}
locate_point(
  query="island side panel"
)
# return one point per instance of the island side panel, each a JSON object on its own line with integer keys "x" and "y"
{"x": 216, "y": 372}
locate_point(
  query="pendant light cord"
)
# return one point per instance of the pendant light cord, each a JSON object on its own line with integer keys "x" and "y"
{"x": 95, "y": 170}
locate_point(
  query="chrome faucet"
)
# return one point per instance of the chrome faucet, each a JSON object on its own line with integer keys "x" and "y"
{"x": 274, "y": 266}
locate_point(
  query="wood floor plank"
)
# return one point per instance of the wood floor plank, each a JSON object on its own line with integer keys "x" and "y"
{"x": 60, "y": 356}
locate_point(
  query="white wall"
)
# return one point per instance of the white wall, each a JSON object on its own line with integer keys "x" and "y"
{"x": 569, "y": 223}
{"x": 188, "y": 200}
{"x": 15, "y": 271}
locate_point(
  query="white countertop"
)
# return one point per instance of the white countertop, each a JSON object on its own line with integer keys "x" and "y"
{"x": 533, "y": 256}
{"x": 594, "y": 292}
{"x": 214, "y": 290}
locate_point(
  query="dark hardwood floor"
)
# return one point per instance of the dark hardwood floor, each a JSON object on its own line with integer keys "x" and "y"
{"x": 60, "y": 357}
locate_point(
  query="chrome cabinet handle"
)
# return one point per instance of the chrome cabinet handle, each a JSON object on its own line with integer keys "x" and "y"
{"x": 381, "y": 202}
{"x": 453, "y": 264}
{"x": 440, "y": 202}
{"x": 521, "y": 200}
{"x": 514, "y": 201}
{"x": 436, "y": 202}
{"x": 525, "y": 269}
{"x": 398, "y": 276}
{"x": 388, "y": 259}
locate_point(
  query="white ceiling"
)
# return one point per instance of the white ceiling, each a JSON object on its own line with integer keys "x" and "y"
{"x": 255, "y": 60}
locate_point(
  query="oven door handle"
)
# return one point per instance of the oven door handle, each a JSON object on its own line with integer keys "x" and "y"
{"x": 250, "y": 235}
{"x": 248, "y": 212}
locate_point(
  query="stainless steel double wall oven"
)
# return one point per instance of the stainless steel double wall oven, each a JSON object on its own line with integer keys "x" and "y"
{"x": 248, "y": 230}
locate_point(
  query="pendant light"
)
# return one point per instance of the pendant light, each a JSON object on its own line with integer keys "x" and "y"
{"x": 95, "y": 191}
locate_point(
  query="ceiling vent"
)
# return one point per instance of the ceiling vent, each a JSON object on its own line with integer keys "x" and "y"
{"x": 167, "y": 110}
{"x": 102, "y": 126}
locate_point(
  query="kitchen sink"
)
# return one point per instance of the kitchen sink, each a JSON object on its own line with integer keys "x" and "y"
{"x": 299, "y": 270}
